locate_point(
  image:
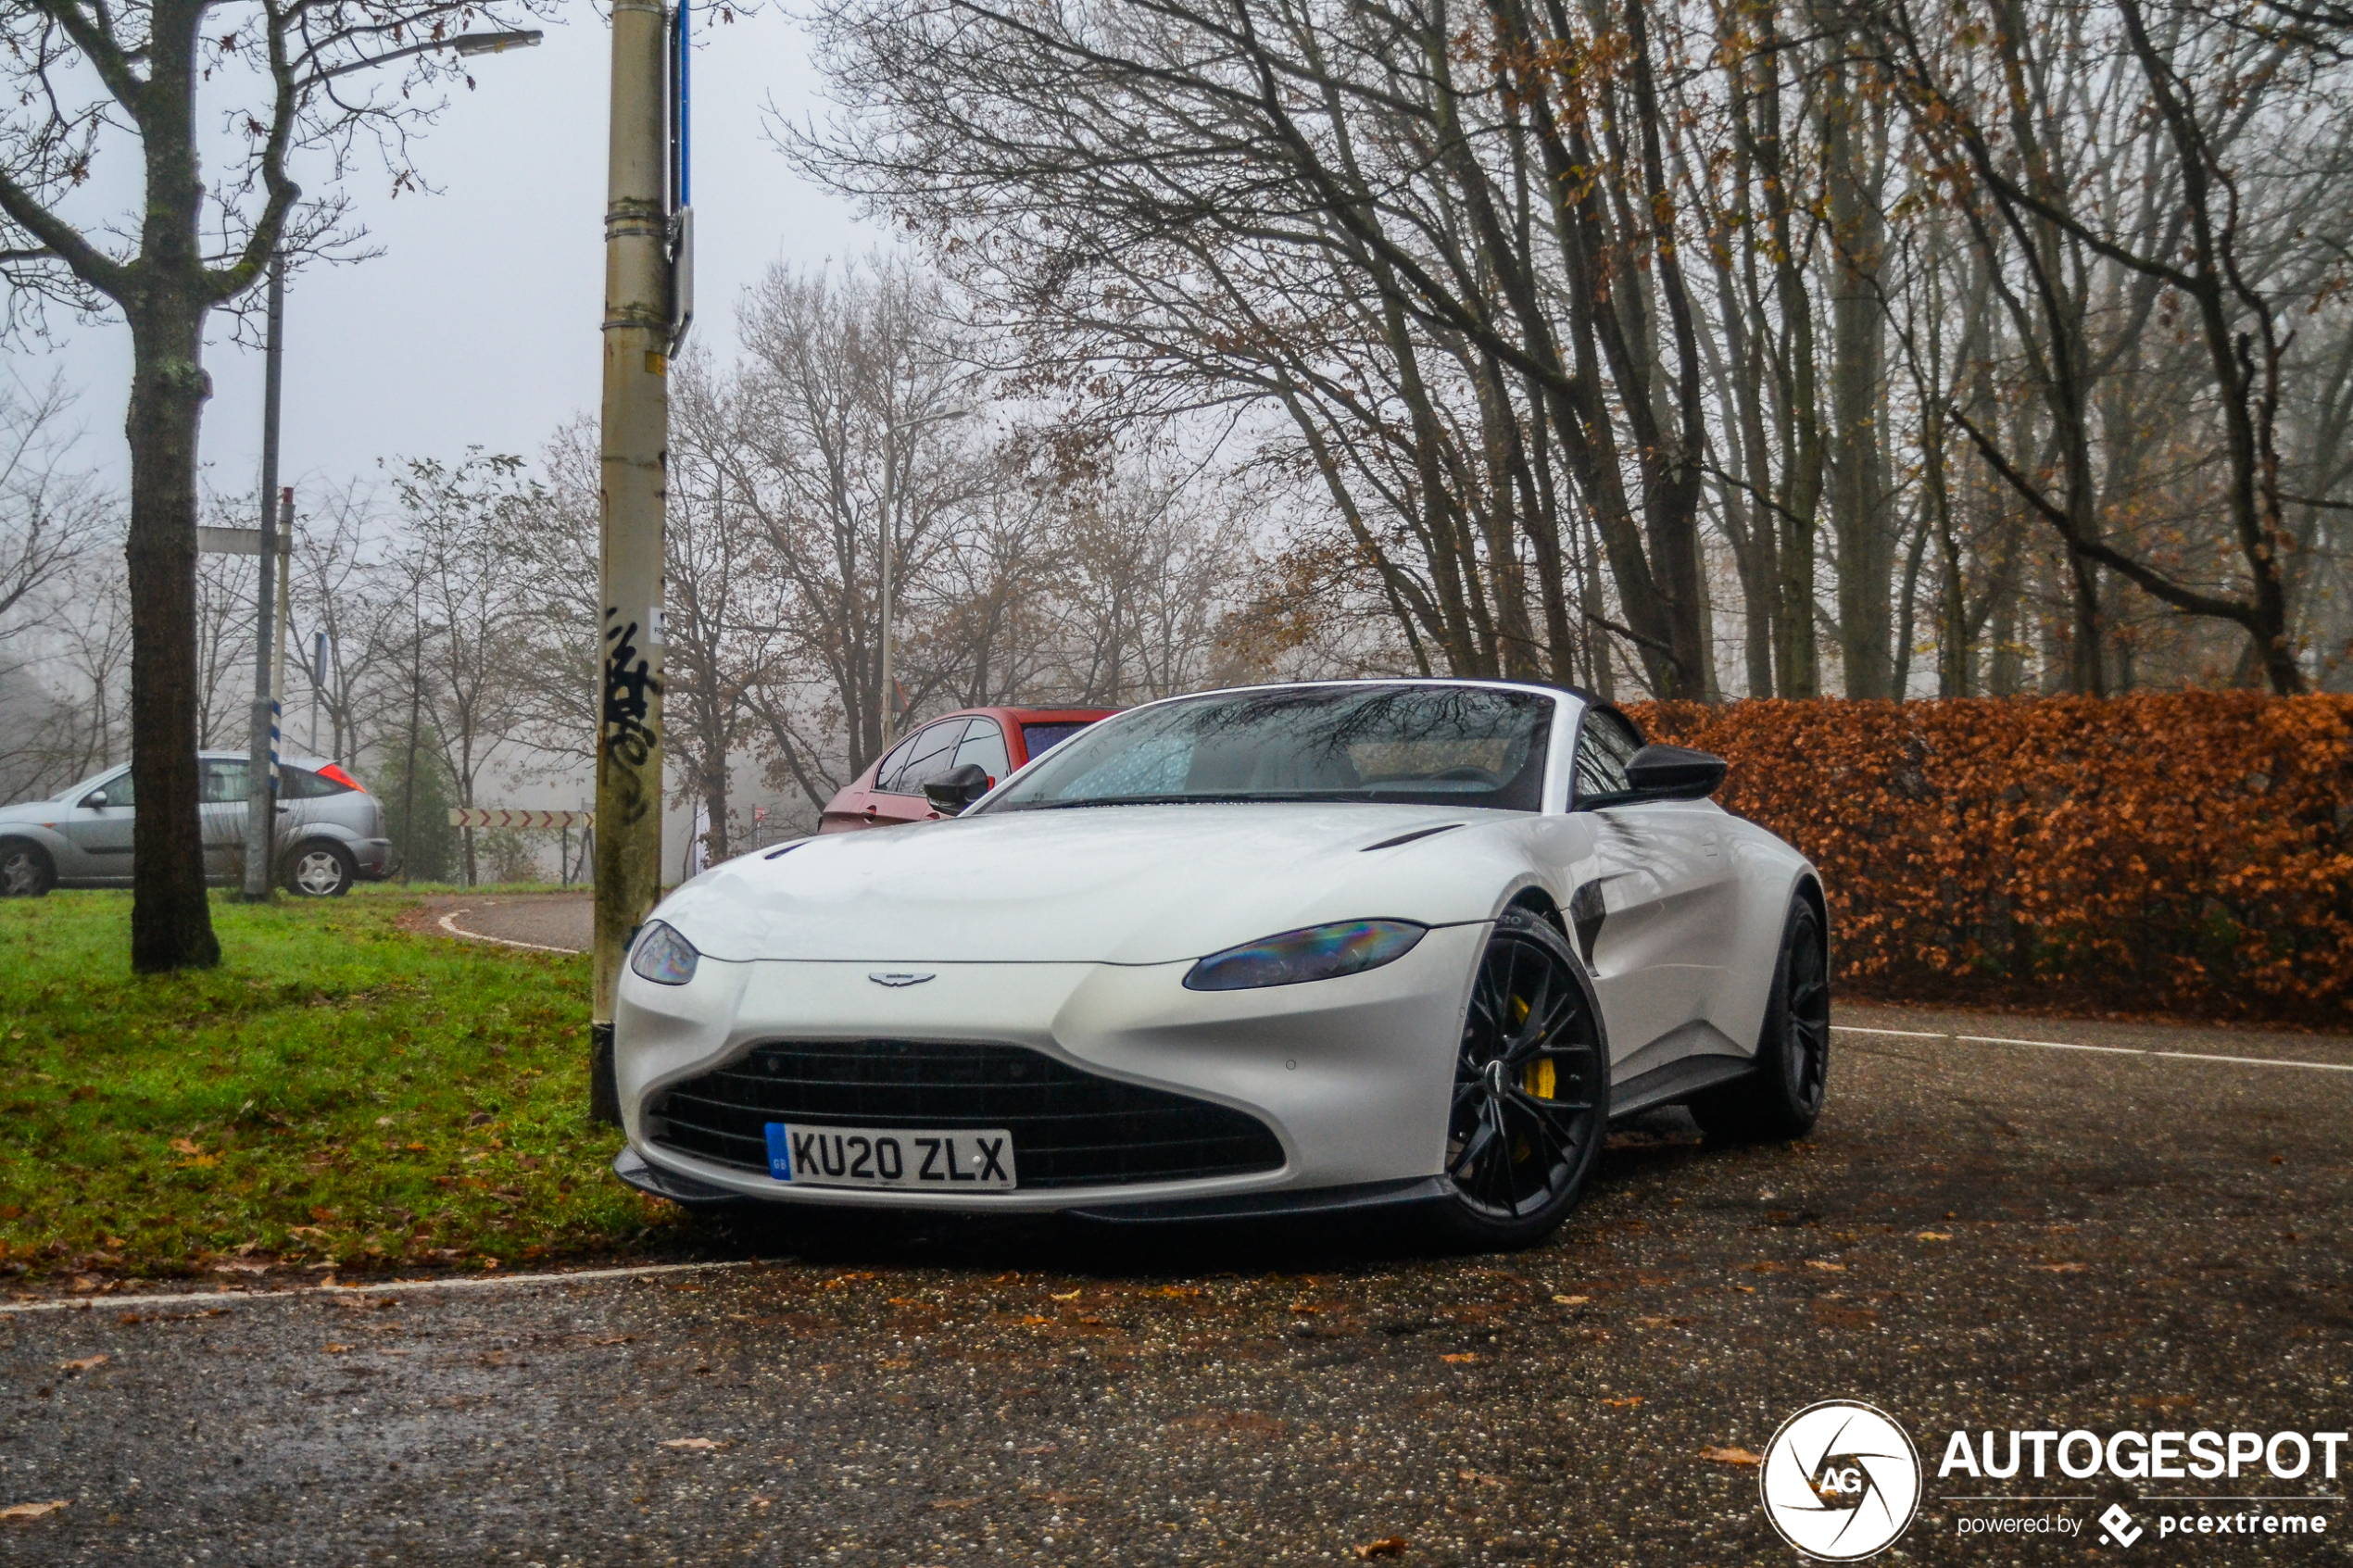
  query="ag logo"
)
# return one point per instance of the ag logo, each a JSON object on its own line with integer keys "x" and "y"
{"x": 1840, "y": 1480}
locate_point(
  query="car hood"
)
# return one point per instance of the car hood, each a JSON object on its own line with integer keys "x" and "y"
{"x": 42, "y": 811}
{"x": 1135, "y": 885}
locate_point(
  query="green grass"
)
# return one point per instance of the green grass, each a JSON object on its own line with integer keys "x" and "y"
{"x": 339, "y": 1091}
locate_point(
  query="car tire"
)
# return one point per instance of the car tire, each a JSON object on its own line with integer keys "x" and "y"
{"x": 1781, "y": 1097}
{"x": 26, "y": 870}
{"x": 1530, "y": 1106}
{"x": 320, "y": 869}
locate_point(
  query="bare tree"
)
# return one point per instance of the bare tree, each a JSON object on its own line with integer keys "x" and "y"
{"x": 96, "y": 83}
{"x": 851, "y": 438}
{"x": 456, "y": 562}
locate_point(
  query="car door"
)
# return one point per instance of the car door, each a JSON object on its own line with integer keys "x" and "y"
{"x": 899, "y": 793}
{"x": 1650, "y": 919}
{"x": 221, "y": 809}
{"x": 98, "y": 826}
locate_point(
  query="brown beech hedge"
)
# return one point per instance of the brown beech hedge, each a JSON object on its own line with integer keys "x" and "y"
{"x": 2186, "y": 852}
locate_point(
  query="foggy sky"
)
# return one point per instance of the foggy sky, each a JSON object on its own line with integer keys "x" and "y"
{"x": 479, "y": 324}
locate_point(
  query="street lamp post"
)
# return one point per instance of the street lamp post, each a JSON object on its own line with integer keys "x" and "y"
{"x": 888, "y": 707}
{"x": 261, "y": 762}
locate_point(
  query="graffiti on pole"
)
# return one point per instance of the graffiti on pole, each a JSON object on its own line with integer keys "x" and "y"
{"x": 630, "y": 688}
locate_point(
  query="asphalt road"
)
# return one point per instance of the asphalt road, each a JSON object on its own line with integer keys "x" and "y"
{"x": 1978, "y": 1236}
{"x": 563, "y": 921}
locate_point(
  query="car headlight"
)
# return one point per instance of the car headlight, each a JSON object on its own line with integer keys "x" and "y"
{"x": 664, "y": 957}
{"x": 1320, "y": 952}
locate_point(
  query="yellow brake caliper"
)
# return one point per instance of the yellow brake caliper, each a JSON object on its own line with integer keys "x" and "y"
{"x": 1537, "y": 1076}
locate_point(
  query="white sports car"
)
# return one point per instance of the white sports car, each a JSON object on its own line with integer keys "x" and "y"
{"x": 1278, "y": 949}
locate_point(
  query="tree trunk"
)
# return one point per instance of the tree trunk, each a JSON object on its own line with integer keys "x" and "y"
{"x": 714, "y": 784}
{"x": 170, "y": 919}
{"x": 1858, "y": 507}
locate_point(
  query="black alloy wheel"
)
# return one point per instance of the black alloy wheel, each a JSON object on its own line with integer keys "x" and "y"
{"x": 25, "y": 871}
{"x": 1532, "y": 1089}
{"x": 1782, "y": 1098}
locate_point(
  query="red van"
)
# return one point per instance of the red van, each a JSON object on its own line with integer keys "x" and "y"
{"x": 998, "y": 739}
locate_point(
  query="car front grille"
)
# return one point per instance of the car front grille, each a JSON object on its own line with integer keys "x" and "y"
{"x": 1070, "y": 1128}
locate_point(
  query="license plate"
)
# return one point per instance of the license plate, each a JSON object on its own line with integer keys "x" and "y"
{"x": 964, "y": 1159}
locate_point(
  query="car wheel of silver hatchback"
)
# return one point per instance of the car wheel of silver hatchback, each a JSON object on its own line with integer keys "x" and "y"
{"x": 322, "y": 870}
{"x": 25, "y": 871}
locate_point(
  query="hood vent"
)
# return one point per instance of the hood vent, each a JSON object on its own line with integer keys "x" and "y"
{"x": 1409, "y": 837}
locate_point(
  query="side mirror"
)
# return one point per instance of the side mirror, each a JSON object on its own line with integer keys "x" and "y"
{"x": 961, "y": 786}
{"x": 93, "y": 801}
{"x": 1675, "y": 772}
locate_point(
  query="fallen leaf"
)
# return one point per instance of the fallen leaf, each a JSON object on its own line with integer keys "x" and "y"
{"x": 1460, "y": 1356}
{"x": 1065, "y": 1296}
{"x": 1388, "y": 1545}
{"x": 334, "y": 1349}
{"x": 84, "y": 1365}
{"x": 1763, "y": 1268}
{"x": 1178, "y": 1290}
{"x": 696, "y": 1443}
{"x": 1826, "y": 1265}
{"x": 1731, "y": 1456}
{"x": 1474, "y": 1476}
{"x": 1934, "y": 1235}
{"x": 1572, "y": 1301}
{"x": 613, "y": 1339}
{"x": 1034, "y": 1319}
{"x": 1627, "y": 1402}
{"x": 31, "y": 1510}
{"x": 186, "y": 1146}
{"x": 2060, "y": 1268}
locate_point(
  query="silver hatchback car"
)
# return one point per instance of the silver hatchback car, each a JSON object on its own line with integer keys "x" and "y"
{"x": 331, "y": 831}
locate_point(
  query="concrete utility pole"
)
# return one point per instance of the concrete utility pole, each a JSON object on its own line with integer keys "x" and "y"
{"x": 643, "y": 306}
{"x": 260, "y": 798}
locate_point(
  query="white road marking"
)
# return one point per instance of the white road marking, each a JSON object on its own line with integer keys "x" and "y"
{"x": 466, "y": 1282}
{"x": 2110, "y": 1050}
{"x": 448, "y": 923}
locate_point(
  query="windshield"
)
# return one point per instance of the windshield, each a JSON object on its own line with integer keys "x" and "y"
{"x": 1437, "y": 745}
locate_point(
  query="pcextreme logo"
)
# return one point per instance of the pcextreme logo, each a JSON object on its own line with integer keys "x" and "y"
{"x": 1840, "y": 1480}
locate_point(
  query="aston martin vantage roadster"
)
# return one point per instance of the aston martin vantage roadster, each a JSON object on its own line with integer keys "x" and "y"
{"x": 1281, "y": 948}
